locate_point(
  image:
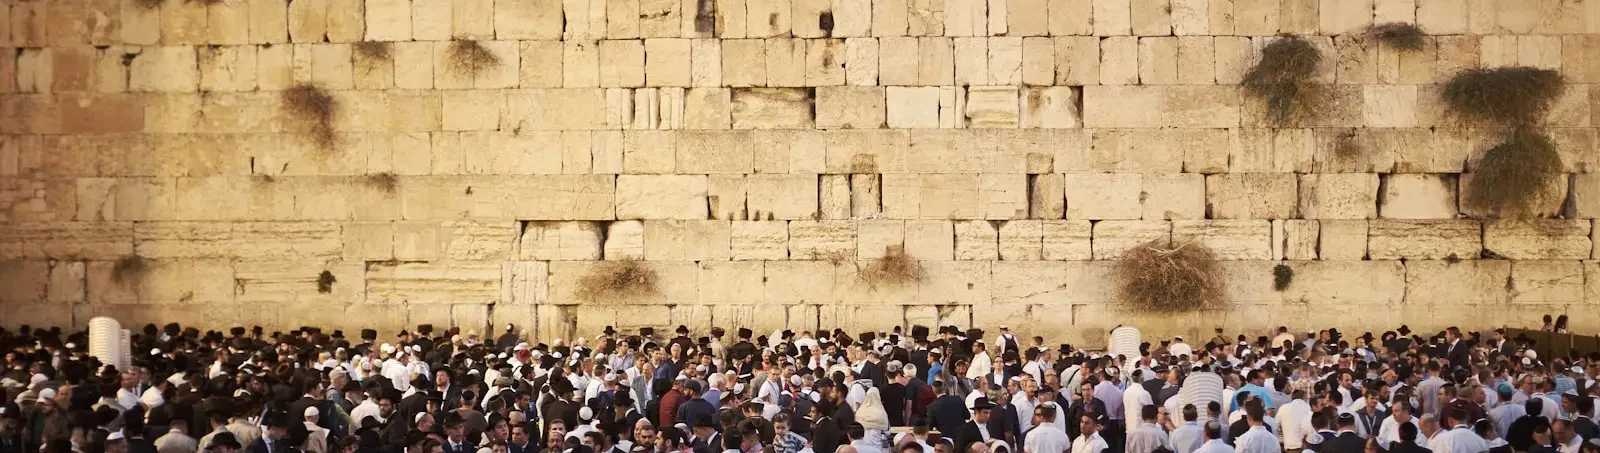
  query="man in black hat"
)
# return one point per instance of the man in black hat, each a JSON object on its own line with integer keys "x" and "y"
{"x": 223, "y": 442}
{"x": 683, "y": 340}
{"x": 273, "y": 439}
{"x": 743, "y": 348}
{"x": 367, "y": 337}
{"x": 975, "y": 430}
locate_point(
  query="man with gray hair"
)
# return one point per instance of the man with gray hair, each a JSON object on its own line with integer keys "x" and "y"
{"x": 1214, "y": 442}
{"x": 1189, "y": 436}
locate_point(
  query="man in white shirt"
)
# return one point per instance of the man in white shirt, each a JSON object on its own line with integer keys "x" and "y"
{"x": 1389, "y": 431}
{"x": 126, "y": 396}
{"x": 1214, "y": 442}
{"x": 1134, "y": 399}
{"x": 1046, "y": 438}
{"x": 1025, "y": 401}
{"x": 1459, "y": 438}
{"x": 1295, "y": 416}
{"x": 1179, "y": 348}
{"x": 1147, "y": 437}
{"x": 1089, "y": 441}
{"x": 1258, "y": 439}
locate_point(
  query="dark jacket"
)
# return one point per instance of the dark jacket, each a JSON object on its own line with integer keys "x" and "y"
{"x": 826, "y": 435}
{"x": 1345, "y": 442}
{"x": 692, "y": 409}
{"x": 1407, "y": 447}
{"x": 947, "y": 414}
{"x": 968, "y": 434}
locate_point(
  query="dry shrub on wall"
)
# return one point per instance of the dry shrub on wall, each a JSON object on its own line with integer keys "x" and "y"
{"x": 325, "y": 282}
{"x": 471, "y": 58}
{"x": 1282, "y": 274}
{"x": 1509, "y": 96}
{"x": 621, "y": 279}
{"x": 1282, "y": 79}
{"x": 895, "y": 268}
{"x": 1513, "y": 176}
{"x": 373, "y": 50}
{"x": 314, "y": 108}
{"x": 129, "y": 269}
{"x": 1398, "y": 35}
{"x": 1153, "y": 278}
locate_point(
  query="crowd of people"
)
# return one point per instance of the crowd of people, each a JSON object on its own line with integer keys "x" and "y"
{"x": 923, "y": 390}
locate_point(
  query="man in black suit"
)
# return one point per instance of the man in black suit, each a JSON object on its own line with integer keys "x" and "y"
{"x": 1346, "y": 441}
{"x": 273, "y": 438}
{"x": 455, "y": 432}
{"x": 1408, "y": 441}
{"x": 1581, "y": 423}
{"x": 1085, "y": 404}
{"x": 948, "y": 412}
{"x": 1456, "y": 349}
{"x": 975, "y": 430}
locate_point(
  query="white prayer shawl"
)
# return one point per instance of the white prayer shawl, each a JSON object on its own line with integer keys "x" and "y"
{"x": 1257, "y": 440}
{"x": 1295, "y": 416}
{"x": 980, "y": 366}
{"x": 1090, "y": 444}
{"x": 1458, "y": 440}
{"x": 1146, "y": 439}
{"x": 1047, "y": 438}
{"x": 1133, "y": 401}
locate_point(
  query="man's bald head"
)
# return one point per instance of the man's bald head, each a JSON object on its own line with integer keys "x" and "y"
{"x": 845, "y": 449}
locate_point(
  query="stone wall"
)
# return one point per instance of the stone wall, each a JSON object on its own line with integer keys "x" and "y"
{"x": 757, "y": 153}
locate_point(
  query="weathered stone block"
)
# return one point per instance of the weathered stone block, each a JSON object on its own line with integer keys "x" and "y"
{"x": 948, "y": 196}
{"x": 783, "y": 197}
{"x": 930, "y": 239}
{"x": 992, "y": 107}
{"x": 1343, "y": 240}
{"x": 1538, "y": 239}
{"x": 1021, "y": 240}
{"x": 687, "y": 240}
{"x": 874, "y": 238}
{"x": 1418, "y": 196}
{"x": 1066, "y": 240}
{"x": 849, "y": 107}
{"x": 1099, "y": 196}
{"x": 1050, "y": 107}
{"x": 1339, "y": 196}
{"x": 1114, "y": 237}
{"x": 772, "y": 108}
{"x": 661, "y": 197}
{"x": 1160, "y": 106}
{"x": 760, "y": 240}
{"x": 912, "y": 107}
{"x": 799, "y": 282}
{"x": 1546, "y": 282}
{"x": 828, "y": 240}
{"x": 1229, "y": 239}
{"x": 734, "y": 281}
{"x": 1438, "y": 282}
{"x": 1425, "y": 239}
{"x": 1252, "y": 196}
{"x": 1003, "y": 196}
{"x": 1174, "y": 196}
{"x": 434, "y": 283}
{"x": 547, "y": 241}
{"x": 976, "y": 240}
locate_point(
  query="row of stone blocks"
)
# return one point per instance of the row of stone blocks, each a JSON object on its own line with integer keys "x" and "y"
{"x": 103, "y": 22}
{"x": 1074, "y": 299}
{"x": 779, "y": 197}
{"x": 783, "y": 62}
{"x": 825, "y": 240}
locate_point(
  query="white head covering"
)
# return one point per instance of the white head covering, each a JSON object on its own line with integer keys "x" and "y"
{"x": 871, "y": 414}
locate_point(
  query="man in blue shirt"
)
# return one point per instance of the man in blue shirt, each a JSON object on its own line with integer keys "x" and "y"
{"x": 1256, "y": 379}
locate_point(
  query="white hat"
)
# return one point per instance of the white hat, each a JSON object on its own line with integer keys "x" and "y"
{"x": 46, "y": 395}
{"x": 523, "y": 346}
{"x": 114, "y": 436}
{"x": 312, "y": 411}
{"x": 585, "y": 413}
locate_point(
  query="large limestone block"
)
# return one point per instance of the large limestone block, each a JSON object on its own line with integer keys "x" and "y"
{"x": 1050, "y": 107}
{"x": 298, "y": 281}
{"x": 1272, "y": 150}
{"x": 783, "y": 197}
{"x": 960, "y": 282}
{"x": 1300, "y": 238}
{"x": 912, "y": 107}
{"x": 759, "y": 240}
{"x": 687, "y": 240}
{"x": 1586, "y": 195}
{"x": 1114, "y": 237}
{"x": 1160, "y": 106}
{"x": 562, "y": 197}
{"x": 1174, "y": 196}
{"x": 554, "y": 109}
{"x": 849, "y": 107}
{"x": 1424, "y": 150}
{"x": 1424, "y": 239}
{"x": 976, "y": 240}
{"x": 714, "y": 151}
{"x": 1361, "y": 150}
{"x": 731, "y": 281}
{"x": 1339, "y": 196}
{"x": 930, "y": 239}
{"x": 1546, "y": 282}
{"x": 1003, "y": 196}
{"x": 175, "y": 282}
{"x": 874, "y": 238}
{"x": 1252, "y": 196}
{"x": 949, "y": 196}
{"x": 992, "y": 106}
{"x": 825, "y": 62}
{"x": 1030, "y": 282}
{"x": 726, "y": 196}
{"x": 159, "y": 240}
{"x": 1047, "y": 197}
{"x": 1538, "y": 239}
{"x": 676, "y": 282}
{"x": 680, "y": 197}
{"x": 773, "y": 108}
{"x": 1228, "y": 239}
{"x": 1418, "y": 196}
{"x": 285, "y": 240}
{"x": 1066, "y": 240}
{"x": 1021, "y": 240}
{"x": 548, "y": 241}
{"x": 25, "y": 281}
{"x": 429, "y": 283}
{"x": 864, "y": 151}
{"x": 799, "y": 282}
{"x": 826, "y": 240}
{"x": 1472, "y": 282}
{"x": 1382, "y": 282}
{"x": 1101, "y": 196}
{"x": 1343, "y": 240}
{"x": 469, "y": 240}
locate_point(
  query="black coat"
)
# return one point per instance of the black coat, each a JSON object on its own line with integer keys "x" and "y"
{"x": 1077, "y": 409}
{"x": 1345, "y": 442}
{"x": 947, "y": 414}
{"x": 1585, "y": 428}
{"x": 1407, "y": 447}
{"x": 967, "y": 435}
{"x": 1520, "y": 433}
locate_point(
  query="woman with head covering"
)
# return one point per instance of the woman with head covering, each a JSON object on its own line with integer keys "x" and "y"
{"x": 872, "y": 416}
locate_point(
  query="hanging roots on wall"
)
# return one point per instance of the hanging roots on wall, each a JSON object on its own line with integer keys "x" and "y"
{"x": 1398, "y": 35}
{"x": 1156, "y": 279}
{"x": 129, "y": 269}
{"x": 1514, "y": 176}
{"x": 1510, "y": 96}
{"x": 1282, "y": 79}
{"x": 325, "y": 282}
{"x": 895, "y": 268}
{"x": 373, "y": 50}
{"x": 471, "y": 58}
{"x": 1282, "y": 274}
{"x": 385, "y": 182}
{"x": 313, "y": 107}
{"x": 619, "y": 279}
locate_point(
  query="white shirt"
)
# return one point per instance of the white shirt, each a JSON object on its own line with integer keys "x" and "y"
{"x": 1215, "y": 446}
{"x": 368, "y": 408}
{"x": 1187, "y": 438}
{"x": 399, "y": 376}
{"x": 152, "y": 398}
{"x": 1295, "y": 417}
{"x": 1145, "y": 439}
{"x": 127, "y": 399}
{"x": 1571, "y": 447}
{"x": 1133, "y": 401}
{"x": 1088, "y": 444}
{"x": 1389, "y": 432}
{"x": 1024, "y": 411}
{"x": 980, "y": 366}
{"x": 1504, "y": 415}
{"x": 1180, "y": 349}
{"x": 1257, "y": 440}
{"x": 1458, "y": 440}
{"x": 1047, "y": 438}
